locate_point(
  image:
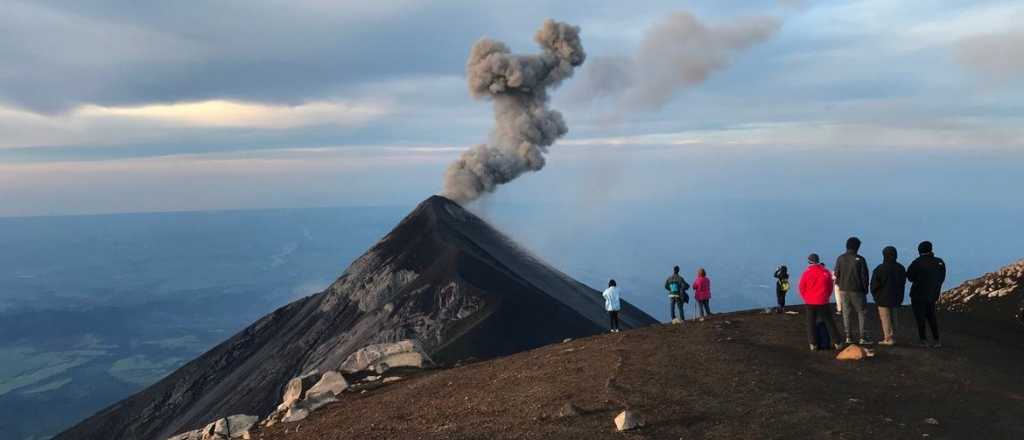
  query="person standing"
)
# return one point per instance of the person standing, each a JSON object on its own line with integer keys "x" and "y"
{"x": 702, "y": 293}
{"x": 815, "y": 289}
{"x": 781, "y": 286}
{"x": 927, "y": 273}
{"x": 612, "y": 305}
{"x": 888, "y": 284}
{"x": 851, "y": 276}
{"x": 676, "y": 287}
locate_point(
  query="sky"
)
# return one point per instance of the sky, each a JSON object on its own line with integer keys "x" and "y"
{"x": 122, "y": 106}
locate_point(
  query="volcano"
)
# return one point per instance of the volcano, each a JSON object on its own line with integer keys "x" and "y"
{"x": 442, "y": 277}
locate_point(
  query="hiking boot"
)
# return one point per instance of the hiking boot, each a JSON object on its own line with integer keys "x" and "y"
{"x": 837, "y": 346}
{"x": 923, "y": 343}
{"x": 888, "y": 342}
{"x": 849, "y": 341}
{"x": 865, "y": 341}
{"x": 814, "y": 347}
{"x": 937, "y": 344}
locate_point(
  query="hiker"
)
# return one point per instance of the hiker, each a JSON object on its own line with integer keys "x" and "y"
{"x": 927, "y": 273}
{"x": 851, "y": 275}
{"x": 676, "y": 287}
{"x": 702, "y": 293}
{"x": 888, "y": 283}
{"x": 611, "y": 304}
{"x": 815, "y": 289}
{"x": 781, "y": 286}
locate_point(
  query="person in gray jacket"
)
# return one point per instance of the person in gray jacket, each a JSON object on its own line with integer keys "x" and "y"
{"x": 851, "y": 273}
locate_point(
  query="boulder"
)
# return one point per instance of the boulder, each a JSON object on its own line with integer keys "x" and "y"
{"x": 408, "y": 359}
{"x": 295, "y": 413}
{"x": 240, "y": 424}
{"x": 853, "y": 352}
{"x": 368, "y": 357}
{"x": 296, "y": 388}
{"x": 236, "y": 426}
{"x": 331, "y": 384}
{"x": 628, "y": 420}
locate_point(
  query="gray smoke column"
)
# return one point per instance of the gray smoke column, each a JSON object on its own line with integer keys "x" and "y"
{"x": 524, "y": 126}
{"x": 676, "y": 53}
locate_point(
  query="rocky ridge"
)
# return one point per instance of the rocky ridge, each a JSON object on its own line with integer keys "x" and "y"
{"x": 996, "y": 294}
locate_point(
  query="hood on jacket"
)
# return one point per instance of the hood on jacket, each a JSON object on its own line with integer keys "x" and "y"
{"x": 889, "y": 254}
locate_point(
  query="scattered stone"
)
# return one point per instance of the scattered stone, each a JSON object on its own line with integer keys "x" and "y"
{"x": 566, "y": 340}
{"x": 853, "y": 352}
{"x": 628, "y": 420}
{"x": 931, "y": 421}
{"x": 569, "y": 410}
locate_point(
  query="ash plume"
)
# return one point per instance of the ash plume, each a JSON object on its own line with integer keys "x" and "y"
{"x": 524, "y": 126}
{"x": 676, "y": 53}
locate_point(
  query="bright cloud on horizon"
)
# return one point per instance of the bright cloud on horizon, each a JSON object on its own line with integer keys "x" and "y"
{"x": 223, "y": 113}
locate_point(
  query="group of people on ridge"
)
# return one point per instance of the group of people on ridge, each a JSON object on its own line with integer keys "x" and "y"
{"x": 677, "y": 288}
{"x": 850, "y": 282}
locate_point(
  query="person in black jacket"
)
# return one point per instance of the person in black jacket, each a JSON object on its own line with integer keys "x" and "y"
{"x": 851, "y": 275}
{"x": 927, "y": 273}
{"x": 781, "y": 286}
{"x": 888, "y": 283}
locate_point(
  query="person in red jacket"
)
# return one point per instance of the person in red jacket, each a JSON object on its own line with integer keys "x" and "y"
{"x": 702, "y": 292}
{"x": 815, "y": 289}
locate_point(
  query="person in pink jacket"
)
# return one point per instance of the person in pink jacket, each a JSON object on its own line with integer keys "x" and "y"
{"x": 702, "y": 292}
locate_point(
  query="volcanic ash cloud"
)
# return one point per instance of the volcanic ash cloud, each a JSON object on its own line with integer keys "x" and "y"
{"x": 677, "y": 53}
{"x": 524, "y": 126}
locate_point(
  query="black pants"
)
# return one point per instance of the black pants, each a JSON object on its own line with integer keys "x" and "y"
{"x": 674, "y": 303}
{"x": 924, "y": 311}
{"x": 781, "y": 297}
{"x": 704, "y": 307}
{"x": 613, "y": 317}
{"x": 825, "y": 314}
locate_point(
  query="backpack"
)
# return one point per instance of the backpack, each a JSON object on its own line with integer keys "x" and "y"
{"x": 674, "y": 288}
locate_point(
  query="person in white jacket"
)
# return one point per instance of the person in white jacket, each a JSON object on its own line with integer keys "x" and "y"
{"x": 611, "y": 304}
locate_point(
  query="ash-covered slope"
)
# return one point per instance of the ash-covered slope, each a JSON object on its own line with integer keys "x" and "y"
{"x": 443, "y": 277}
{"x": 998, "y": 296}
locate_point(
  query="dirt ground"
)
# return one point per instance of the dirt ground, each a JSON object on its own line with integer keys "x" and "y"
{"x": 742, "y": 375}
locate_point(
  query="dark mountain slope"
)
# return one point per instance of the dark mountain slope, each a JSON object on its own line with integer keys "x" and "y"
{"x": 443, "y": 276}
